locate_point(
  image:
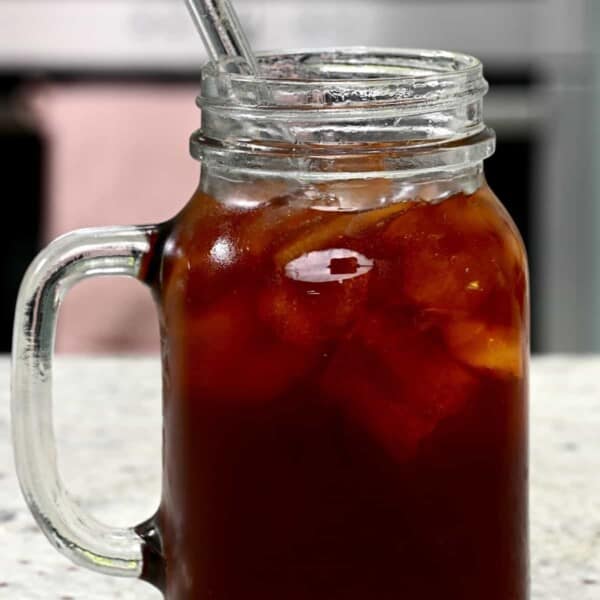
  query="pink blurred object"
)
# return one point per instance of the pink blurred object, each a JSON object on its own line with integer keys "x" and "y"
{"x": 118, "y": 154}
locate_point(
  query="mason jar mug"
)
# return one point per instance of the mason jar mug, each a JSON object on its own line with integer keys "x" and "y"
{"x": 344, "y": 318}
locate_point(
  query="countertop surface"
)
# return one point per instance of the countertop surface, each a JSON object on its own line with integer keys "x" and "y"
{"x": 108, "y": 427}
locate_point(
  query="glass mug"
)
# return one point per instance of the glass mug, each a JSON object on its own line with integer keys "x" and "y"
{"x": 344, "y": 318}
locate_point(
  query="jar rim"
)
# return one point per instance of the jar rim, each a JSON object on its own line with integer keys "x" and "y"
{"x": 421, "y": 109}
{"x": 464, "y": 63}
{"x": 346, "y": 77}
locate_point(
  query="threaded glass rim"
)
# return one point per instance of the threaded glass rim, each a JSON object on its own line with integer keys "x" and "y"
{"x": 346, "y": 78}
{"x": 325, "y": 110}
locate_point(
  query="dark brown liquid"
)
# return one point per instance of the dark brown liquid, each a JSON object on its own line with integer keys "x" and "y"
{"x": 345, "y": 403}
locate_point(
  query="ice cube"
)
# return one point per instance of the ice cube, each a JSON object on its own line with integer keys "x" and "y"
{"x": 333, "y": 229}
{"x": 252, "y": 194}
{"x": 268, "y": 227}
{"x": 482, "y": 214}
{"x": 394, "y": 379}
{"x": 482, "y": 345}
{"x": 452, "y": 255}
{"x": 312, "y": 304}
{"x": 230, "y": 358}
{"x": 358, "y": 194}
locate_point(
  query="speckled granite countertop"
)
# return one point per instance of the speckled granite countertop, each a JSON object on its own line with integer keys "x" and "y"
{"x": 108, "y": 428}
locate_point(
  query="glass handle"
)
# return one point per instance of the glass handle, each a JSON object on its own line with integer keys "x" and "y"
{"x": 114, "y": 251}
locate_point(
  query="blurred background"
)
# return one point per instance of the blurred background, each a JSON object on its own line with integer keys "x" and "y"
{"x": 97, "y": 105}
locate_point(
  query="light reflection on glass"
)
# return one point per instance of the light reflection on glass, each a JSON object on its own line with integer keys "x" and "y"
{"x": 223, "y": 251}
{"x": 337, "y": 264}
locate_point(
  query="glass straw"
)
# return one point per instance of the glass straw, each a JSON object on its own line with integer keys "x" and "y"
{"x": 223, "y": 35}
{"x": 221, "y": 31}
